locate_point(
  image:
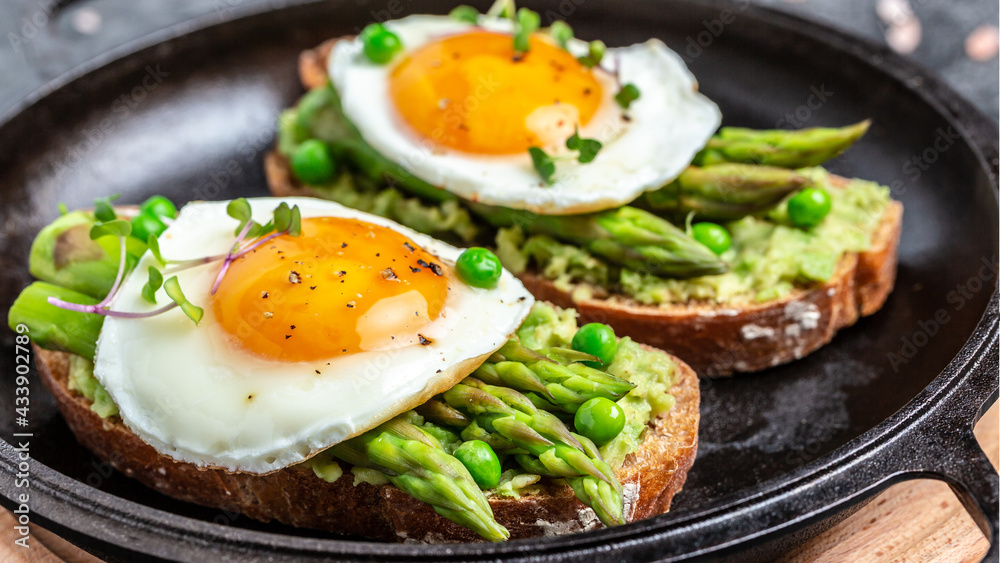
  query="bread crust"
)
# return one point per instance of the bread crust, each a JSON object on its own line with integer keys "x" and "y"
{"x": 718, "y": 340}
{"x": 296, "y": 496}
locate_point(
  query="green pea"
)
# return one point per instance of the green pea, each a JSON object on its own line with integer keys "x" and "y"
{"x": 715, "y": 237}
{"x": 807, "y": 208}
{"x": 312, "y": 163}
{"x": 479, "y": 267}
{"x": 380, "y": 44}
{"x": 158, "y": 206}
{"x": 145, "y": 224}
{"x": 599, "y": 419}
{"x": 481, "y": 461}
{"x": 596, "y": 339}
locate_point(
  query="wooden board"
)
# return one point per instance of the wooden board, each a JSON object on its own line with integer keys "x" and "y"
{"x": 914, "y": 521}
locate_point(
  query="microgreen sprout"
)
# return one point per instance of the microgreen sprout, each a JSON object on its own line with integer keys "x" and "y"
{"x": 286, "y": 221}
{"x": 587, "y": 148}
{"x": 153, "y": 244}
{"x": 249, "y": 236}
{"x": 561, "y": 32}
{"x": 121, "y": 229}
{"x": 595, "y": 53}
{"x": 584, "y": 151}
{"x": 543, "y": 163}
{"x": 466, "y": 14}
{"x": 103, "y": 210}
{"x": 501, "y": 9}
{"x": 628, "y": 94}
{"x": 172, "y": 287}
{"x": 526, "y": 23}
{"x": 152, "y": 285}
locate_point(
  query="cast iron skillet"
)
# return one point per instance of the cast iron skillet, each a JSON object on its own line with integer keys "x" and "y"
{"x": 189, "y": 111}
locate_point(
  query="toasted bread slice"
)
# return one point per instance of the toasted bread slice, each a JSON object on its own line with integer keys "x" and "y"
{"x": 296, "y": 496}
{"x": 714, "y": 339}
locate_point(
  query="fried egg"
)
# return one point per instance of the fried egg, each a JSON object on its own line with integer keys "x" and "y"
{"x": 457, "y": 109}
{"x": 308, "y": 341}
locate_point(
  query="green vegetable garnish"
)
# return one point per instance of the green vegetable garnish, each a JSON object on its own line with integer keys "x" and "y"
{"x": 599, "y": 419}
{"x": 595, "y": 53}
{"x": 285, "y": 219}
{"x": 479, "y": 267}
{"x": 103, "y": 210}
{"x": 510, "y": 420}
{"x": 52, "y": 326}
{"x": 152, "y": 285}
{"x": 114, "y": 227}
{"x": 173, "y": 289}
{"x": 481, "y": 461}
{"x": 557, "y": 380}
{"x": 715, "y": 237}
{"x": 153, "y": 244}
{"x": 588, "y": 148}
{"x": 311, "y": 163}
{"x": 159, "y": 206}
{"x": 380, "y": 44}
{"x": 415, "y": 461}
{"x": 628, "y": 94}
{"x": 596, "y": 339}
{"x": 807, "y": 208}
{"x": 464, "y": 13}
{"x": 526, "y": 23}
{"x": 725, "y": 191}
{"x": 561, "y": 32}
{"x": 145, "y": 225}
{"x": 543, "y": 163}
{"x": 778, "y": 147}
{"x": 240, "y": 210}
{"x": 501, "y": 9}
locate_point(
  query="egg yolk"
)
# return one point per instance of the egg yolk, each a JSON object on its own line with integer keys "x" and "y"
{"x": 343, "y": 286}
{"x": 469, "y": 92}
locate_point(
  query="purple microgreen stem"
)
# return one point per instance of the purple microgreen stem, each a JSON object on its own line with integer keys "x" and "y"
{"x": 102, "y": 310}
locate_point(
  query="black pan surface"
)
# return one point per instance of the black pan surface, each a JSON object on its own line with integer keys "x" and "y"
{"x": 783, "y": 454}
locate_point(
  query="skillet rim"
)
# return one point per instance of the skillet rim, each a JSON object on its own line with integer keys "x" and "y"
{"x": 976, "y": 129}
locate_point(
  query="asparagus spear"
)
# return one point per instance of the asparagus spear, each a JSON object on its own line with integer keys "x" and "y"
{"x": 550, "y": 385}
{"x": 440, "y": 413}
{"x": 551, "y": 449}
{"x": 724, "y": 192}
{"x": 414, "y": 461}
{"x": 776, "y": 147}
{"x": 626, "y": 236}
{"x": 54, "y": 328}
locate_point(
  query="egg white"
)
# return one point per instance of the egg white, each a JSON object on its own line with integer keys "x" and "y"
{"x": 186, "y": 389}
{"x": 669, "y": 123}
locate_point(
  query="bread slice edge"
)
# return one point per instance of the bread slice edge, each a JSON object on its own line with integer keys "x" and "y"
{"x": 295, "y": 496}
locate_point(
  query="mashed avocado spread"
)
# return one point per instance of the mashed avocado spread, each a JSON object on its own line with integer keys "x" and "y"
{"x": 768, "y": 258}
{"x": 82, "y": 380}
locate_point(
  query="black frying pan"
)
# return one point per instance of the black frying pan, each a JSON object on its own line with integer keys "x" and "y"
{"x": 784, "y": 454}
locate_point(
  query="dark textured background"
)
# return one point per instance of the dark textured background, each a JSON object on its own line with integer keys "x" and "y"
{"x": 40, "y": 41}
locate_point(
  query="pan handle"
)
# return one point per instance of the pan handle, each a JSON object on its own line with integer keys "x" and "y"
{"x": 945, "y": 446}
{"x": 975, "y": 483}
